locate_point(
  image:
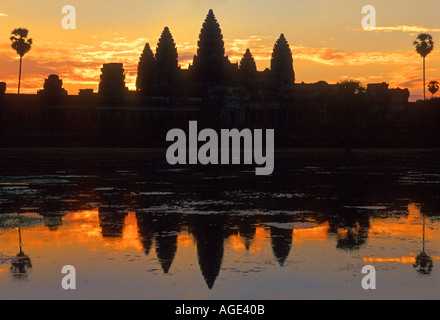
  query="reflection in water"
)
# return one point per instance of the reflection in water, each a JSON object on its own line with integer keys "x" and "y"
{"x": 226, "y": 221}
{"x": 163, "y": 230}
{"x": 247, "y": 230}
{"x": 281, "y": 239}
{"x": 111, "y": 221}
{"x": 21, "y": 263}
{"x": 209, "y": 234}
{"x": 53, "y": 222}
{"x": 145, "y": 231}
{"x": 165, "y": 234}
{"x": 352, "y": 237}
{"x": 424, "y": 262}
{"x": 351, "y": 227}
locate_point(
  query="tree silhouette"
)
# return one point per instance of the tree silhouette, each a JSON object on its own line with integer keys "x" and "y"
{"x": 351, "y": 87}
{"x": 424, "y": 46}
{"x": 351, "y": 94}
{"x": 433, "y": 87}
{"x": 21, "y": 44}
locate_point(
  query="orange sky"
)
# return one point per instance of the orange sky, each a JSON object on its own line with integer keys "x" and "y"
{"x": 326, "y": 37}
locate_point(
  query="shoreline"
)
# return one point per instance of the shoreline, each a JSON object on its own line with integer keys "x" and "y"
{"x": 163, "y": 149}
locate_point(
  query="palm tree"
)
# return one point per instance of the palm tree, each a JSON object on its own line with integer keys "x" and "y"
{"x": 433, "y": 87}
{"x": 21, "y": 44}
{"x": 424, "y": 45}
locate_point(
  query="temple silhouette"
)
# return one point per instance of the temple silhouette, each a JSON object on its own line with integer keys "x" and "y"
{"x": 218, "y": 94}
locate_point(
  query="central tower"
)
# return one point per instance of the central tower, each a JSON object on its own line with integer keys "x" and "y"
{"x": 210, "y": 62}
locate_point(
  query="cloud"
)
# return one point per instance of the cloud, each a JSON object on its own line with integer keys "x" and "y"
{"x": 260, "y": 47}
{"x": 335, "y": 57}
{"x": 404, "y": 28}
{"x": 3, "y": 15}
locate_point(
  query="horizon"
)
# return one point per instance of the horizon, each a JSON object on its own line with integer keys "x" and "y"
{"x": 341, "y": 50}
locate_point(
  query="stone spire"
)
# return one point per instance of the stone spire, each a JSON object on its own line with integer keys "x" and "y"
{"x": 146, "y": 71}
{"x": 166, "y": 53}
{"x": 209, "y": 64}
{"x": 248, "y": 67}
{"x": 167, "y": 63}
{"x": 282, "y": 63}
{"x": 248, "y": 71}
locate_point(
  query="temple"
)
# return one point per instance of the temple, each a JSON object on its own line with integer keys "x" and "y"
{"x": 218, "y": 94}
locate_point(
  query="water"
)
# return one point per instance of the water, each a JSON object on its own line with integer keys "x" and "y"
{"x": 136, "y": 228}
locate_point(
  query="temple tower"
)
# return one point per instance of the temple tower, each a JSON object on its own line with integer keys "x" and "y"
{"x": 53, "y": 86}
{"x": 248, "y": 71}
{"x": 167, "y": 64}
{"x": 281, "y": 64}
{"x": 210, "y": 61}
{"x": 146, "y": 72}
{"x": 112, "y": 80}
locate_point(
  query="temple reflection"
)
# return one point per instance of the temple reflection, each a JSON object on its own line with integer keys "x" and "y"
{"x": 281, "y": 238}
{"x": 111, "y": 221}
{"x": 208, "y": 232}
{"x": 127, "y": 205}
{"x": 145, "y": 230}
{"x": 211, "y": 234}
{"x": 166, "y": 230}
{"x": 247, "y": 230}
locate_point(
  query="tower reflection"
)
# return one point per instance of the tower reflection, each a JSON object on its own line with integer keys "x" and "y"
{"x": 209, "y": 233}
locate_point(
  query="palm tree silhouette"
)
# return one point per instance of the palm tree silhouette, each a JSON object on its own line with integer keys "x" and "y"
{"x": 424, "y": 45}
{"x": 21, "y": 44}
{"x": 433, "y": 87}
